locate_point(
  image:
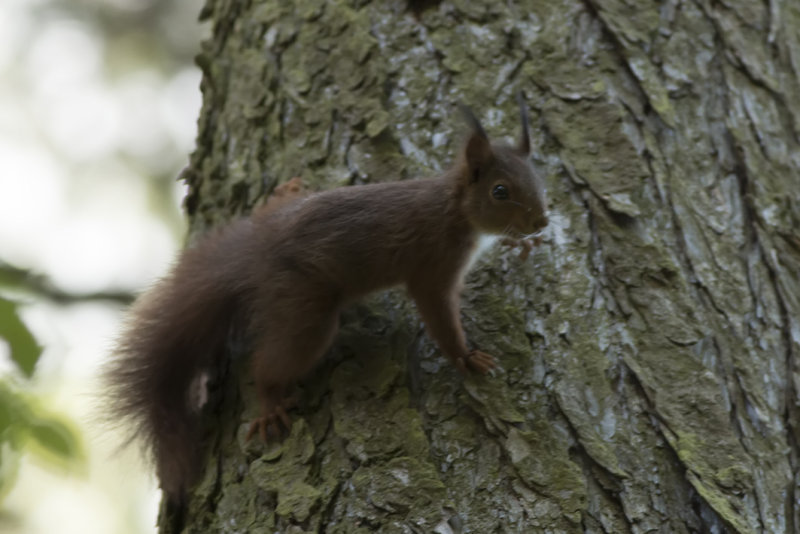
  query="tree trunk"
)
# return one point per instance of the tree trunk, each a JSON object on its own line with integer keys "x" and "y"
{"x": 648, "y": 349}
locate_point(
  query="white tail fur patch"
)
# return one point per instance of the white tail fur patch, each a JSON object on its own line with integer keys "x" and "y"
{"x": 198, "y": 391}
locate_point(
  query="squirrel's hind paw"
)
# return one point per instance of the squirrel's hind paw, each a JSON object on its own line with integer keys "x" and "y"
{"x": 274, "y": 421}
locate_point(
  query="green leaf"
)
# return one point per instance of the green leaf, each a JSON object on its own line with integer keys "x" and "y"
{"x": 26, "y": 428}
{"x": 13, "y": 410}
{"x": 9, "y": 468}
{"x": 25, "y": 351}
{"x": 55, "y": 439}
{"x": 12, "y": 276}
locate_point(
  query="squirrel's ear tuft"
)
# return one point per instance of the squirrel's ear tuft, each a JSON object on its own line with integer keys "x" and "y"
{"x": 478, "y": 150}
{"x": 524, "y": 144}
{"x": 473, "y": 122}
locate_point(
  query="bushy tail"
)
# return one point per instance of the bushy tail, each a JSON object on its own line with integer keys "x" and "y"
{"x": 174, "y": 333}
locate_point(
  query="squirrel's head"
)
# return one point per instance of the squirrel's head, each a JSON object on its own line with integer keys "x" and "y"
{"x": 500, "y": 191}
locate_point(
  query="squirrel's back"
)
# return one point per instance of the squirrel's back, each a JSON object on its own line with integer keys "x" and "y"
{"x": 362, "y": 238}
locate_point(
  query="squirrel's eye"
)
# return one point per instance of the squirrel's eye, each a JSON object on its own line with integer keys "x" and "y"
{"x": 500, "y": 192}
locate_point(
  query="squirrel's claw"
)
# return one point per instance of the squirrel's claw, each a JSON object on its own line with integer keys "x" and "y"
{"x": 479, "y": 361}
{"x": 525, "y": 244}
{"x": 270, "y": 424}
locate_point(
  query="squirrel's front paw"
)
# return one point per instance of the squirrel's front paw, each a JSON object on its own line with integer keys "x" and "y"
{"x": 525, "y": 244}
{"x": 479, "y": 361}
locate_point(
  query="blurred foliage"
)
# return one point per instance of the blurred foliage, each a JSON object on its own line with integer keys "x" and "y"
{"x": 162, "y": 33}
{"x": 25, "y": 351}
{"x": 138, "y": 37}
{"x": 24, "y": 425}
{"x": 134, "y": 35}
{"x": 27, "y": 428}
{"x": 40, "y": 287}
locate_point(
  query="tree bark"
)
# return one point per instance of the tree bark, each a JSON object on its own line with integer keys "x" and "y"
{"x": 648, "y": 349}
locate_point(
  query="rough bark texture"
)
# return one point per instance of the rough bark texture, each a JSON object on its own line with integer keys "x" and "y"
{"x": 648, "y": 350}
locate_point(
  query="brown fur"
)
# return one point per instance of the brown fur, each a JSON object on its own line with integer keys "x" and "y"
{"x": 292, "y": 266}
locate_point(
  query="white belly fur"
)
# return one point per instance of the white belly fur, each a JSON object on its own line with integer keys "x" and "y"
{"x": 484, "y": 242}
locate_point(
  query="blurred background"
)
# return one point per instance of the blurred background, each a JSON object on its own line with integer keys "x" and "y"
{"x": 98, "y": 108}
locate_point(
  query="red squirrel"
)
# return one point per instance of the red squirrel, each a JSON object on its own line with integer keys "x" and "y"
{"x": 291, "y": 266}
